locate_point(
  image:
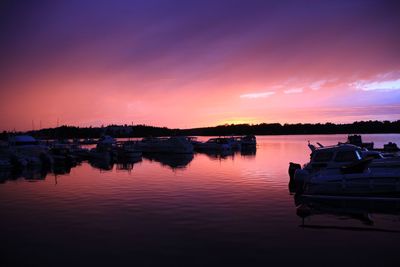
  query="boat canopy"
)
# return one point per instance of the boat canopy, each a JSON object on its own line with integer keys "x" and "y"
{"x": 339, "y": 153}
{"x": 23, "y": 140}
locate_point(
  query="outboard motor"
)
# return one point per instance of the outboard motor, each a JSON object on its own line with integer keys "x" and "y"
{"x": 298, "y": 177}
{"x": 292, "y": 169}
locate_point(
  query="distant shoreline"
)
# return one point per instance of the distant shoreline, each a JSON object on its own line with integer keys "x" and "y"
{"x": 267, "y": 129}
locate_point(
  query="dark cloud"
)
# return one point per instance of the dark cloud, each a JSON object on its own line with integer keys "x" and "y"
{"x": 141, "y": 32}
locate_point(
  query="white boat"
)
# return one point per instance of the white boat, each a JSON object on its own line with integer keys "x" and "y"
{"x": 343, "y": 170}
{"x": 174, "y": 144}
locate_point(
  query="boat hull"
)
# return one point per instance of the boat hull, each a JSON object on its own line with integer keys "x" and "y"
{"x": 355, "y": 184}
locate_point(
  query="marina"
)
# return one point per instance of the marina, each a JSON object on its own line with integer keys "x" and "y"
{"x": 25, "y": 152}
{"x": 199, "y": 133}
{"x": 172, "y": 207}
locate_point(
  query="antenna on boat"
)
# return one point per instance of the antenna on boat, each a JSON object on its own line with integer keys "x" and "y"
{"x": 319, "y": 144}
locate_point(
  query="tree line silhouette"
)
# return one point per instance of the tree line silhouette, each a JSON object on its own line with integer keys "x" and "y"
{"x": 359, "y": 127}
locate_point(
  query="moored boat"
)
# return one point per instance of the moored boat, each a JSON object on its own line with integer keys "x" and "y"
{"x": 129, "y": 150}
{"x": 27, "y": 151}
{"x": 106, "y": 148}
{"x": 173, "y": 144}
{"x": 219, "y": 144}
{"x": 248, "y": 142}
{"x": 345, "y": 169}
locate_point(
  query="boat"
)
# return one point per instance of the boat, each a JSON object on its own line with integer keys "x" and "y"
{"x": 22, "y": 141}
{"x": 357, "y": 141}
{"x": 235, "y": 142}
{"x": 88, "y": 141}
{"x": 343, "y": 169}
{"x": 193, "y": 140}
{"x": 219, "y": 144}
{"x": 107, "y": 142}
{"x": 173, "y": 144}
{"x": 79, "y": 152}
{"x": 390, "y": 147}
{"x": 25, "y": 148}
{"x": 380, "y": 159}
{"x": 106, "y": 148}
{"x": 248, "y": 142}
{"x": 129, "y": 150}
{"x": 62, "y": 154}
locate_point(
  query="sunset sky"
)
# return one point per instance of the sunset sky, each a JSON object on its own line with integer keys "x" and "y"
{"x": 197, "y": 63}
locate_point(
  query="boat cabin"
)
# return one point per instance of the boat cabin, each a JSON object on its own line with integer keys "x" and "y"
{"x": 334, "y": 156}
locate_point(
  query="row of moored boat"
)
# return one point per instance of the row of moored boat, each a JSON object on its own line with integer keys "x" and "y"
{"x": 26, "y": 152}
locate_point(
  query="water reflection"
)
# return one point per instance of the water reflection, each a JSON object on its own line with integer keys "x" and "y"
{"x": 103, "y": 164}
{"x": 361, "y": 209}
{"x": 107, "y": 161}
{"x": 173, "y": 161}
{"x": 248, "y": 152}
{"x": 214, "y": 155}
{"x": 63, "y": 168}
{"x": 127, "y": 164}
{"x": 31, "y": 174}
{"x": 230, "y": 206}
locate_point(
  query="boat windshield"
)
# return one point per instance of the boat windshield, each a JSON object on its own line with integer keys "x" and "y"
{"x": 322, "y": 156}
{"x": 347, "y": 156}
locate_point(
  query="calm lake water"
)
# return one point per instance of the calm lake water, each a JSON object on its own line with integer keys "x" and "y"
{"x": 185, "y": 211}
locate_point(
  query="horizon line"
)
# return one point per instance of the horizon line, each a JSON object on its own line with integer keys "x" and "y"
{"x": 201, "y": 127}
